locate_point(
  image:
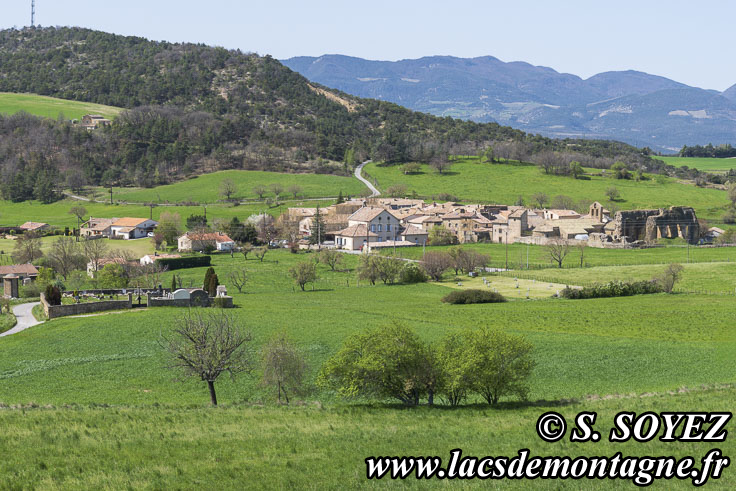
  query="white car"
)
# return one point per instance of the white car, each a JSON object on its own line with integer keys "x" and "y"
{"x": 150, "y": 234}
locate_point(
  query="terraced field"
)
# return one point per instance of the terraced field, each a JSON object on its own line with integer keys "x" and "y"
{"x": 51, "y": 107}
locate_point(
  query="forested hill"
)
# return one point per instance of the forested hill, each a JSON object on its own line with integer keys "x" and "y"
{"x": 194, "y": 108}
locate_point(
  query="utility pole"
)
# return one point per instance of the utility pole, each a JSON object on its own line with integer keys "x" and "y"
{"x": 527, "y": 255}
{"x": 111, "y": 194}
{"x": 507, "y": 249}
{"x": 33, "y": 13}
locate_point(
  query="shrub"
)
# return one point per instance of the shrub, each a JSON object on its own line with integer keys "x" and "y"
{"x": 219, "y": 302}
{"x": 613, "y": 289}
{"x": 185, "y": 262}
{"x": 473, "y": 296}
{"x": 31, "y": 290}
{"x": 413, "y": 274}
{"x": 729, "y": 217}
{"x": 53, "y": 295}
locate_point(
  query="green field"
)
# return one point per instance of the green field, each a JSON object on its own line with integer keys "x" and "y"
{"x": 51, "y": 107}
{"x": 701, "y": 163}
{"x": 254, "y": 447}
{"x": 500, "y": 183}
{"x": 206, "y": 188}
{"x": 100, "y": 408}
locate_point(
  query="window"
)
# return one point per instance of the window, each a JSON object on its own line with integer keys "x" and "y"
{"x": 388, "y": 227}
{"x": 373, "y": 227}
{"x": 379, "y": 226}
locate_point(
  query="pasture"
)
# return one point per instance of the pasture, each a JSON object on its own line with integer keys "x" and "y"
{"x": 701, "y": 163}
{"x": 472, "y": 181}
{"x": 206, "y": 188}
{"x": 51, "y": 107}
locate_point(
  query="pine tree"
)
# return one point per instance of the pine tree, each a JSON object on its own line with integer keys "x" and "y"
{"x": 213, "y": 284}
{"x": 207, "y": 276}
{"x": 318, "y": 229}
{"x": 173, "y": 283}
{"x": 340, "y": 199}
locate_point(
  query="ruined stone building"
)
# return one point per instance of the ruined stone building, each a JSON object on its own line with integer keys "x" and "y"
{"x": 650, "y": 225}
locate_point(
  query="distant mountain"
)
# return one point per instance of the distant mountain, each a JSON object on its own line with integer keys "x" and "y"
{"x": 631, "y": 106}
{"x": 730, "y": 93}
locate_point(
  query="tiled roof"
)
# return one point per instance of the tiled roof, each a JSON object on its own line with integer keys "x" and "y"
{"x": 215, "y": 236}
{"x": 412, "y": 230}
{"x": 129, "y": 222}
{"x": 25, "y": 269}
{"x": 33, "y": 225}
{"x": 368, "y": 213}
{"x": 360, "y": 230}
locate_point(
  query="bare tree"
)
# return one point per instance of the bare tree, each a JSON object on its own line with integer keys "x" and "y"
{"x": 260, "y": 252}
{"x": 228, "y": 188}
{"x": 540, "y": 199}
{"x": 246, "y": 249}
{"x": 239, "y": 277}
{"x": 27, "y": 248}
{"x": 331, "y": 258}
{"x": 260, "y": 191}
{"x": 65, "y": 256}
{"x": 147, "y": 275}
{"x": 435, "y": 264}
{"x": 94, "y": 251}
{"x": 206, "y": 344}
{"x": 671, "y": 275}
{"x": 440, "y": 163}
{"x": 397, "y": 190}
{"x": 294, "y": 190}
{"x": 277, "y": 189}
{"x": 78, "y": 211}
{"x": 557, "y": 250}
{"x": 303, "y": 273}
{"x": 283, "y": 366}
{"x": 581, "y": 247}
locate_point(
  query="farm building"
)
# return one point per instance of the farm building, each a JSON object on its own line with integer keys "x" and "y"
{"x": 34, "y": 227}
{"x": 132, "y": 228}
{"x": 199, "y": 242}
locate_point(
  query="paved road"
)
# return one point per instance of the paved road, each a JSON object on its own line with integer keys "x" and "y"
{"x": 25, "y": 318}
{"x": 373, "y": 189}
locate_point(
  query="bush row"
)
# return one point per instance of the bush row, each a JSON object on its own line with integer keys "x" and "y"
{"x": 613, "y": 289}
{"x": 185, "y": 262}
{"x": 473, "y": 296}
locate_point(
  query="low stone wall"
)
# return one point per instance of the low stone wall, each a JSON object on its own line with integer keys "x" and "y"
{"x": 54, "y": 311}
{"x": 225, "y": 302}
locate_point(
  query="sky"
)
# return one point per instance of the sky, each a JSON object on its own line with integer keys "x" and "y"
{"x": 688, "y": 41}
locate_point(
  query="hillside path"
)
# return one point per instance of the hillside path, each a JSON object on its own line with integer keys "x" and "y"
{"x": 365, "y": 181}
{"x": 23, "y": 313}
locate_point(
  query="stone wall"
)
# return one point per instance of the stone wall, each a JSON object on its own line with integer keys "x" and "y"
{"x": 650, "y": 225}
{"x": 54, "y": 311}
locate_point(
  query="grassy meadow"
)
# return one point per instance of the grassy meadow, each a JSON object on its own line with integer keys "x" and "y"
{"x": 701, "y": 163}
{"x": 206, "y": 188}
{"x": 51, "y": 107}
{"x": 472, "y": 181}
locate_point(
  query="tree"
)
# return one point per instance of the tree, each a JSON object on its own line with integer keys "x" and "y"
{"x": 228, "y": 188}
{"x": 557, "y": 250}
{"x": 397, "y": 190}
{"x": 435, "y": 264}
{"x": 65, "y": 256}
{"x": 79, "y": 212}
{"x": 212, "y": 285}
{"x": 621, "y": 170}
{"x": 303, "y": 273}
{"x": 94, "y": 251}
{"x": 456, "y": 374}
{"x": 497, "y": 364}
{"x": 441, "y": 164}
{"x": 340, "y": 199}
{"x": 260, "y": 252}
{"x": 732, "y": 193}
{"x": 205, "y": 344}
{"x": 158, "y": 241}
{"x": 295, "y": 189}
{"x": 246, "y": 249}
{"x": 612, "y": 193}
{"x": 670, "y": 276}
{"x": 439, "y": 235}
{"x": 112, "y": 276}
{"x": 411, "y": 168}
{"x": 169, "y": 226}
{"x": 389, "y": 269}
{"x": 27, "y": 248}
{"x": 207, "y": 275}
{"x": 540, "y": 199}
{"x": 562, "y": 202}
{"x": 317, "y": 229}
{"x": 195, "y": 222}
{"x": 386, "y": 362}
{"x": 260, "y": 191}
{"x": 239, "y": 277}
{"x": 576, "y": 169}
{"x": 277, "y": 189}
{"x": 284, "y": 366}
{"x": 331, "y": 258}
{"x": 368, "y": 268}
{"x": 581, "y": 247}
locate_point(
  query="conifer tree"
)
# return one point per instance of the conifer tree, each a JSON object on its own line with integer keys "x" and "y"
{"x": 318, "y": 229}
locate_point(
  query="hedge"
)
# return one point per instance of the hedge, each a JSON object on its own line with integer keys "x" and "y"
{"x": 473, "y": 296}
{"x": 613, "y": 289}
{"x": 185, "y": 262}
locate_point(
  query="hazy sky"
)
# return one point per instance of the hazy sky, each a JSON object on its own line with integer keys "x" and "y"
{"x": 690, "y": 41}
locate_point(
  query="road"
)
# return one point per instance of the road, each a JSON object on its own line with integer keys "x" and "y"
{"x": 365, "y": 181}
{"x": 23, "y": 313}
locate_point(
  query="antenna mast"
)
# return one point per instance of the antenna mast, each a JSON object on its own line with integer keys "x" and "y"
{"x": 33, "y": 13}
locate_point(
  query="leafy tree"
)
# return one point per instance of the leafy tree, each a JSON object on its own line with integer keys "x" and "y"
{"x": 260, "y": 191}
{"x": 206, "y": 344}
{"x": 621, "y": 170}
{"x": 613, "y": 193}
{"x": 331, "y": 258}
{"x": 411, "y": 168}
{"x": 576, "y": 169}
{"x": 112, "y": 276}
{"x": 389, "y": 269}
{"x": 439, "y": 235}
{"x": 65, "y": 256}
{"x": 732, "y": 193}
{"x": 207, "y": 275}
{"x": 368, "y": 268}
{"x": 295, "y": 190}
{"x": 214, "y": 282}
{"x": 284, "y": 366}
{"x": 303, "y": 273}
{"x": 260, "y": 252}
{"x": 169, "y": 226}
{"x": 397, "y": 190}
{"x": 386, "y": 362}
{"x": 195, "y": 222}
{"x": 670, "y": 277}
{"x": 27, "y": 248}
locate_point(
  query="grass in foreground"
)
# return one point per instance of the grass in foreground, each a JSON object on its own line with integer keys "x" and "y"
{"x": 311, "y": 447}
{"x": 51, "y": 107}
{"x": 7, "y": 322}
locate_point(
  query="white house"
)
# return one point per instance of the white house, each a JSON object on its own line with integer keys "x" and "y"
{"x": 368, "y": 224}
{"x": 132, "y": 228}
{"x": 193, "y": 241}
{"x": 151, "y": 258}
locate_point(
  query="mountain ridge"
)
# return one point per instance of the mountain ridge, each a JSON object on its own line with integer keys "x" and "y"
{"x": 537, "y": 99}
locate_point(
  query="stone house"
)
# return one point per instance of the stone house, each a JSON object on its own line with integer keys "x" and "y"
{"x": 199, "y": 242}
{"x": 22, "y": 271}
{"x": 96, "y": 227}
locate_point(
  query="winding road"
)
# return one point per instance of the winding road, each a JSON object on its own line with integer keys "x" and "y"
{"x": 24, "y": 315}
{"x": 365, "y": 181}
